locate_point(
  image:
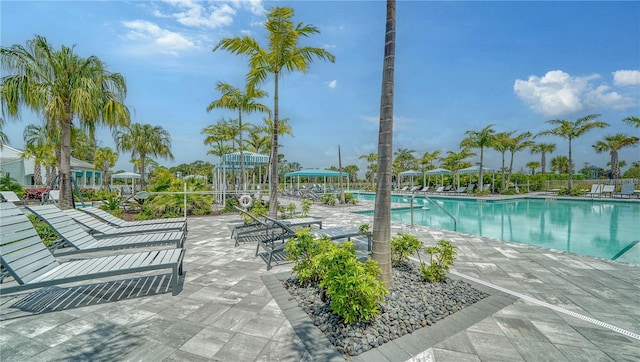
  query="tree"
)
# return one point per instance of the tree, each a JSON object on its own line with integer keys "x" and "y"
{"x": 104, "y": 159}
{"x": 382, "y": 208}
{"x": 501, "y": 144}
{"x": 632, "y": 121}
{"x": 560, "y": 164}
{"x": 283, "y": 54}
{"x": 234, "y": 99}
{"x": 613, "y": 144}
{"x": 543, "y": 149}
{"x": 532, "y": 165}
{"x": 516, "y": 144}
{"x": 571, "y": 130}
{"x": 403, "y": 160}
{"x": 64, "y": 87}
{"x": 3, "y": 136}
{"x": 144, "y": 140}
{"x": 39, "y": 146}
{"x": 455, "y": 161}
{"x": 427, "y": 160}
{"x": 479, "y": 139}
{"x": 372, "y": 165}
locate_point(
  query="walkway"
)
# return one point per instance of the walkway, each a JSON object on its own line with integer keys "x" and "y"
{"x": 551, "y": 306}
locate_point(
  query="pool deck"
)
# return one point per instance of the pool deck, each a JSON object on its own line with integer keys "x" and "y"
{"x": 545, "y": 305}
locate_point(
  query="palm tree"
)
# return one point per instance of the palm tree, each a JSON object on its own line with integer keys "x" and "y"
{"x": 455, "y": 161}
{"x": 403, "y": 160}
{"x": 372, "y": 167}
{"x": 234, "y": 99}
{"x": 66, "y": 88}
{"x": 632, "y": 121}
{"x": 560, "y": 164}
{"x": 39, "y": 146}
{"x": 144, "y": 140}
{"x": 613, "y": 144}
{"x": 104, "y": 159}
{"x": 533, "y": 165}
{"x": 281, "y": 55}
{"x": 543, "y": 149}
{"x": 501, "y": 142}
{"x": 3, "y": 136}
{"x": 570, "y": 130}
{"x": 516, "y": 144}
{"x": 479, "y": 139}
{"x": 382, "y": 208}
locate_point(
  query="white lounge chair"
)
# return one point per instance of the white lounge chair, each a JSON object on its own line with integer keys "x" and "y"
{"x": 596, "y": 190}
{"x": 627, "y": 190}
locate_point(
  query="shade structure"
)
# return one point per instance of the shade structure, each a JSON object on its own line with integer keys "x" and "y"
{"x": 476, "y": 170}
{"x": 314, "y": 172}
{"x": 251, "y": 159}
{"x": 127, "y": 176}
{"x": 409, "y": 173}
{"x": 438, "y": 171}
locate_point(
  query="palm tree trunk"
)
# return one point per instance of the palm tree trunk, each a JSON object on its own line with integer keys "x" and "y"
{"x": 37, "y": 173}
{"x": 143, "y": 176}
{"x": 242, "y": 170}
{"x": 382, "y": 214}
{"x": 66, "y": 196}
{"x": 480, "y": 182}
{"x": 615, "y": 166}
{"x": 273, "y": 180}
{"x": 543, "y": 162}
{"x": 570, "y": 168}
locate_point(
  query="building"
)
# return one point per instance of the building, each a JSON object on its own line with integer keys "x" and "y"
{"x": 22, "y": 169}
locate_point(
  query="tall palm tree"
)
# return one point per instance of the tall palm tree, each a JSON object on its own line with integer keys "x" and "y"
{"x": 66, "y": 88}
{"x": 532, "y": 165}
{"x": 455, "y": 161}
{"x": 501, "y": 143}
{"x": 39, "y": 146}
{"x": 560, "y": 164}
{"x": 104, "y": 159}
{"x": 234, "y": 99}
{"x": 479, "y": 139}
{"x": 283, "y": 54}
{"x": 382, "y": 208}
{"x": 372, "y": 165}
{"x": 613, "y": 144}
{"x": 144, "y": 140}
{"x": 403, "y": 160}
{"x": 517, "y": 144}
{"x": 543, "y": 149}
{"x": 632, "y": 121}
{"x": 570, "y": 130}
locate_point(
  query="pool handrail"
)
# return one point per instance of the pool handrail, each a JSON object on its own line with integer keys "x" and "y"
{"x": 455, "y": 222}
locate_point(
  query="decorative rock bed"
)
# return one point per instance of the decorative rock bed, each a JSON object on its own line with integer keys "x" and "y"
{"x": 411, "y": 304}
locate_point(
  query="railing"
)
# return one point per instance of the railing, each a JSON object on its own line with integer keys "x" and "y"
{"x": 455, "y": 222}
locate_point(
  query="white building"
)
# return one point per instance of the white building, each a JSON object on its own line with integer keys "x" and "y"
{"x": 22, "y": 169}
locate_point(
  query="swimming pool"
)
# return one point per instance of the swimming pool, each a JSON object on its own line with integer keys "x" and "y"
{"x": 601, "y": 228}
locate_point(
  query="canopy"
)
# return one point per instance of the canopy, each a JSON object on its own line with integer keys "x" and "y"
{"x": 251, "y": 159}
{"x": 438, "y": 171}
{"x": 131, "y": 175}
{"x": 410, "y": 173}
{"x": 476, "y": 169}
{"x": 315, "y": 173}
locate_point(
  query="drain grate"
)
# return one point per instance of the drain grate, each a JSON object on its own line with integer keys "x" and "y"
{"x": 551, "y": 306}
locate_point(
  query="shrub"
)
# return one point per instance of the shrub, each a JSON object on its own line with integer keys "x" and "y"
{"x": 402, "y": 246}
{"x": 306, "y": 207}
{"x": 328, "y": 199}
{"x": 352, "y": 286}
{"x": 112, "y": 203}
{"x": 35, "y": 193}
{"x": 291, "y": 209}
{"x": 229, "y": 205}
{"x": 7, "y": 183}
{"x": 508, "y": 192}
{"x": 146, "y": 213}
{"x": 350, "y": 198}
{"x": 442, "y": 256}
{"x": 46, "y": 233}
{"x": 304, "y": 250}
{"x": 87, "y": 193}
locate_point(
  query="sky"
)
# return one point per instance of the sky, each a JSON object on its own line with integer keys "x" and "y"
{"x": 459, "y": 66}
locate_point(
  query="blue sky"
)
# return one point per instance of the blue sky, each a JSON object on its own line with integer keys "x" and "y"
{"x": 459, "y": 66}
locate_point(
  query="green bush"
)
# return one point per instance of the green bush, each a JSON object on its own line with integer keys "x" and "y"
{"x": 46, "y": 233}
{"x": 291, "y": 209}
{"x": 10, "y": 184}
{"x": 350, "y": 198}
{"x": 304, "y": 250}
{"x": 402, "y": 246}
{"x": 112, "y": 203}
{"x": 508, "y": 192}
{"x": 328, "y": 199}
{"x": 442, "y": 256}
{"x": 146, "y": 213}
{"x": 353, "y": 287}
{"x": 229, "y": 205}
{"x": 305, "y": 204}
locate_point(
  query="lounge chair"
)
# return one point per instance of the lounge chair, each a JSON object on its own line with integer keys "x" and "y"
{"x": 74, "y": 236}
{"x": 627, "y": 190}
{"x": 608, "y": 190}
{"x": 438, "y": 190}
{"x": 51, "y": 197}
{"x": 100, "y": 229}
{"x": 596, "y": 190}
{"x": 118, "y": 222}
{"x": 10, "y": 196}
{"x": 414, "y": 189}
{"x": 31, "y": 265}
{"x": 425, "y": 189}
{"x": 460, "y": 190}
{"x": 255, "y": 225}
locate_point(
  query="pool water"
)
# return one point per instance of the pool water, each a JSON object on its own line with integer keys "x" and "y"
{"x": 599, "y": 228}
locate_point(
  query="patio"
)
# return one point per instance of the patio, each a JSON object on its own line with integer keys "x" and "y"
{"x": 545, "y": 305}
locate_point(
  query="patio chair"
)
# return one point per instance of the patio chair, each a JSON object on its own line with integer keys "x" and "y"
{"x": 256, "y": 225}
{"x": 608, "y": 190}
{"x": 51, "y": 197}
{"x": 100, "y": 229}
{"x": 31, "y": 265}
{"x": 75, "y": 237}
{"x": 596, "y": 190}
{"x": 627, "y": 190}
{"x": 118, "y": 222}
{"x": 10, "y": 196}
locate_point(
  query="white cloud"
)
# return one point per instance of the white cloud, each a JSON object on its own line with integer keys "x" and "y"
{"x": 153, "y": 38}
{"x": 207, "y": 14}
{"x": 558, "y": 93}
{"x": 255, "y": 6}
{"x": 333, "y": 83}
{"x": 626, "y": 77}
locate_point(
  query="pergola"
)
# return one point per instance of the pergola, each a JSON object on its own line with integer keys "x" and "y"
{"x": 476, "y": 170}
{"x": 410, "y": 173}
{"x": 127, "y": 176}
{"x": 438, "y": 171}
{"x": 315, "y": 173}
{"x": 232, "y": 162}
